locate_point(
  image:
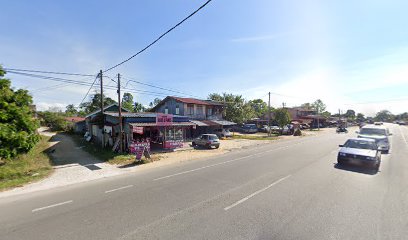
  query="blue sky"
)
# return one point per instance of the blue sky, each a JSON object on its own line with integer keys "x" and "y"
{"x": 351, "y": 54}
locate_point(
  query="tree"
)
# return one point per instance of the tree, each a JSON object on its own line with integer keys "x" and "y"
{"x": 350, "y": 114}
{"x": 326, "y": 114}
{"x": 259, "y": 107}
{"x": 155, "y": 102}
{"x": 54, "y": 120}
{"x": 318, "y": 106}
{"x": 236, "y": 108}
{"x": 384, "y": 116}
{"x": 71, "y": 110}
{"x": 17, "y": 125}
{"x": 282, "y": 116}
{"x": 138, "y": 107}
{"x": 360, "y": 117}
{"x": 95, "y": 103}
{"x": 307, "y": 106}
{"x": 127, "y": 101}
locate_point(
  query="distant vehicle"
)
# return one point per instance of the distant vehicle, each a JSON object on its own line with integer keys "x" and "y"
{"x": 360, "y": 151}
{"x": 378, "y": 123}
{"x": 288, "y": 130}
{"x": 304, "y": 126}
{"x": 223, "y": 132}
{"x": 207, "y": 140}
{"x": 402, "y": 123}
{"x": 379, "y": 134}
{"x": 249, "y": 128}
{"x": 341, "y": 130}
{"x": 265, "y": 128}
{"x": 275, "y": 129}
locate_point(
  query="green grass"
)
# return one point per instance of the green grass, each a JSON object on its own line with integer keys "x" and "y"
{"x": 107, "y": 155}
{"x": 28, "y": 167}
{"x": 255, "y": 137}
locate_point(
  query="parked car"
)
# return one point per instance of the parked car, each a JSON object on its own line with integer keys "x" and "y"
{"x": 288, "y": 130}
{"x": 276, "y": 129}
{"x": 378, "y": 123}
{"x": 249, "y": 128}
{"x": 360, "y": 151}
{"x": 223, "y": 132}
{"x": 379, "y": 133}
{"x": 402, "y": 123}
{"x": 207, "y": 140}
{"x": 265, "y": 128}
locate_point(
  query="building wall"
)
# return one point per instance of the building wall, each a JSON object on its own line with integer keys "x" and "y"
{"x": 171, "y": 104}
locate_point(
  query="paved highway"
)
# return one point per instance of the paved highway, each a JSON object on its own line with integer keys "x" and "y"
{"x": 286, "y": 190}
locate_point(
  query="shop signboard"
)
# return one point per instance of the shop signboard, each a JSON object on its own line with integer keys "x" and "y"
{"x": 171, "y": 144}
{"x": 164, "y": 119}
{"x": 138, "y": 130}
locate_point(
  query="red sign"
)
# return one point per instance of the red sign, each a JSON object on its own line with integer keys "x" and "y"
{"x": 164, "y": 119}
{"x": 171, "y": 144}
{"x": 138, "y": 130}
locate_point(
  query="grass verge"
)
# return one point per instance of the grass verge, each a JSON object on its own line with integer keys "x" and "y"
{"x": 107, "y": 155}
{"x": 28, "y": 167}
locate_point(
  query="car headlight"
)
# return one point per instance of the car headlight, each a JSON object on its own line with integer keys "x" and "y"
{"x": 370, "y": 158}
{"x": 342, "y": 154}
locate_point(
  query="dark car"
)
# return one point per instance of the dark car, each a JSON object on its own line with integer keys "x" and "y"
{"x": 207, "y": 140}
{"x": 361, "y": 152}
{"x": 249, "y": 128}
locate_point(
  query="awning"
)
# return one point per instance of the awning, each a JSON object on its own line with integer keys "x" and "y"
{"x": 224, "y": 122}
{"x": 199, "y": 123}
{"x": 153, "y": 124}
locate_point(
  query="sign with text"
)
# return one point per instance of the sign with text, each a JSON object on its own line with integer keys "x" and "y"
{"x": 164, "y": 119}
{"x": 171, "y": 144}
{"x": 138, "y": 130}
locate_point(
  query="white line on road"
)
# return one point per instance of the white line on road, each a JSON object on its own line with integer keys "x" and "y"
{"x": 403, "y": 136}
{"x": 255, "y": 193}
{"x": 51, "y": 206}
{"x": 116, "y": 189}
{"x": 216, "y": 164}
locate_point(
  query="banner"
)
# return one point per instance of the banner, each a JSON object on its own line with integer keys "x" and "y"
{"x": 164, "y": 119}
{"x": 138, "y": 130}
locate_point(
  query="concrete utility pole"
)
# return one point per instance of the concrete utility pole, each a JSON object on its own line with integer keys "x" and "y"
{"x": 120, "y": 117}
{"x": 269, "y": 112}
{"x": 103, "y": 116}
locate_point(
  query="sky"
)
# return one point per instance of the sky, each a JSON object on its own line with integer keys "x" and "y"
{"x": 350, "y": 54}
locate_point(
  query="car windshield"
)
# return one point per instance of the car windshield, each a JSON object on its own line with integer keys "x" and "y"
{"x": 211, "y": 137}
{"x": 373, "y": 131}
{"x": 360, "y": 144}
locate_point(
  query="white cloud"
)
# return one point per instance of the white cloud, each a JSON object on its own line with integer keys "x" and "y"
{"x": 45, "y": 106}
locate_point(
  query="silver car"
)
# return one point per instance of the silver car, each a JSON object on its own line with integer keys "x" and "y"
{"x": 207, "y": 140}
{"x": 379, "y": 134}
{"x": 360, "y": 151}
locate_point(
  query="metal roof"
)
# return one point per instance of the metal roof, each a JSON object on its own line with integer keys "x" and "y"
{"x": 199, "y": 123}
{"x": 152, "y": 124}
{"x": 224, "y": 122}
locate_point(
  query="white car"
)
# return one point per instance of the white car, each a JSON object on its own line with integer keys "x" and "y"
{"x": 379, "y": 134}
{"x": 223, "y": 132}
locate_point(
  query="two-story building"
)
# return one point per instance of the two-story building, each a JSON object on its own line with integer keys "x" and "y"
{"x": 206, "y": 114}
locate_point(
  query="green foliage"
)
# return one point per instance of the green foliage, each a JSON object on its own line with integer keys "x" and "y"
{"x": 54, "y": 120}
{"x": 155, "y": 102}
{"x": 318, "y": 106}
{"x": 259, "y": 107}
{"x": 17, "y": 125}
{"x": 282, "y": 116}
{"x": 236, "y": 108}
{"x": 138, "y": 107}
{"x": 384, "y": 116}
{"x": 350, "y": 114}
{"x": 360, "y": 117}
{"x": 127, "y": 101}
{"x": 95, "y": 103}
{"x": 307, "y": 106}
{"x": 297, "y": 132}
{"x": 326, "y": 114}
{"x": 71, "y": 111}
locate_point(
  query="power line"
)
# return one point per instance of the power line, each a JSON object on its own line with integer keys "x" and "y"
{"x": 86, "y": 95}
{"x": 157, "y": 39}
{"x": 48, "y": 72}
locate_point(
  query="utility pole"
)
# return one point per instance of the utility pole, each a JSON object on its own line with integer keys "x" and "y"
{"x": 318, "y": 119}
{"x": 269, "y": 112}
{"x": 120, "y": 118}
{"x": 103, "y": 116}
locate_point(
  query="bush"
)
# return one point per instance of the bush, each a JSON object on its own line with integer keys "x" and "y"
{"x": 55, "y": 121}
{"x": 17, "y": 125}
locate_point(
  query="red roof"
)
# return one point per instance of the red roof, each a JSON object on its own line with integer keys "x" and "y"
{"x": 74, "y": 119}
{"x": 195, "y": 101}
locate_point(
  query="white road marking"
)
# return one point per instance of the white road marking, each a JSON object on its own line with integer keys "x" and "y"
{"x": 51, "y": 206}
{"x": 255, "y": 193}
{"x": 216, "y": 164}
{"x": 116, "y": 189}
{"x": 403, "y": 136}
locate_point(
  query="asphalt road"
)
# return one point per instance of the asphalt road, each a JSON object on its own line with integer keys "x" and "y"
{"x": 286, "y": 190}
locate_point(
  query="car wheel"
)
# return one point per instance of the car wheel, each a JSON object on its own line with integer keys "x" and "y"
{"x": 340, "y": 162}
{"x": 194, "y": 144}
{"x": 217, "y": 147}
{"x": 386, "y": 151}
{"x": 209, "y": 146}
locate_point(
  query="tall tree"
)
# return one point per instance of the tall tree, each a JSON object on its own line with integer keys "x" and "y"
{"x": 307, "y": 106}
{"x": 319, "y": 106}
{"x": 360, "y": 117}
{"x": 259, "y": 107}
{"x": 71, "y": 110}
{"x": 138, "y": 107}
{"x": 282, "y": 116}
{"x": 154, "y": 102}
{"x": 127, "y": 101}
{"x": 17, "y": 125}
{"x": 384, "y": 116}
{"x": 236, "y": 108}
{"x": 350, "y": 114}
{"x": 95, "y": 103}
